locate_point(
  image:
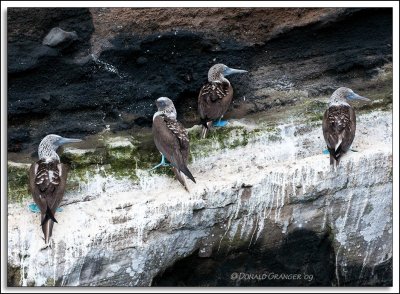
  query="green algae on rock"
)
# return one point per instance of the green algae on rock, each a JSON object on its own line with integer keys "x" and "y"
{"x": 17, "y": 181}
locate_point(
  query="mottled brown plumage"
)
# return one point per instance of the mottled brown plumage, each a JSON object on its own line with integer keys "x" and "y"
{"x": 214, "y": 100}
{"x": 216, "y": 96}
{"x": 47, "y": 180}
{"x": 339, "y": 128}
{"x": 171, "y": 139}
{"x": 47, "y": 185}
{"x": 339, "y": 124}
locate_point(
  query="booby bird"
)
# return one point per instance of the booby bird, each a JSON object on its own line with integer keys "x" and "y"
{"x": 47, "y": 179}
{"x": 171, "y": 139}
{"x": 216, "y": 96}
{"x": 339, "y": 123}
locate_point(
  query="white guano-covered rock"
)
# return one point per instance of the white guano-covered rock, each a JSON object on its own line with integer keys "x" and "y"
{"x": 127, "y": 233}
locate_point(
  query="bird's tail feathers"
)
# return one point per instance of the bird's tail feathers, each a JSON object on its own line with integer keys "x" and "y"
{"x": 49, "y": 215}
{"x": 335, "y": 156}
{"x": 187, "y": 172}
{"x": 180, "y": 177}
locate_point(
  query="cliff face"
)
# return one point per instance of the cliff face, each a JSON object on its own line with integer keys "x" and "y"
{"x": 276, "y": 210}
{"x": 266, "y": 209}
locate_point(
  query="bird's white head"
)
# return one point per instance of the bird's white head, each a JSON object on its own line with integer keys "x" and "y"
{"x": 49, "y": 145}
{"x": 165, "y": 106}
{"x": 218, "y": 72}
{"x": 343, "y": 94}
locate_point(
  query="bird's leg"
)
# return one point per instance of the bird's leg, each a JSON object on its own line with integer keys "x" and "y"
{"x": 206, "y": 127}
{"x": 162, "y": 163}
{"x": 326, "y": 151}
{"x": 220, "y": 123}
{"x": 47, "y": 245}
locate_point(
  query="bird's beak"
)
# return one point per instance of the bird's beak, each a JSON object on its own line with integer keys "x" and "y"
{"x": 355, "y": 96}
{"x": 229, "y": 71}
{"x": 63, "y": 141}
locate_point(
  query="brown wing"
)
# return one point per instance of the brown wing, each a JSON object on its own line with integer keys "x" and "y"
{"x": 339, "y": 127}
{"x": 47, "y": 180}
{"x": 214, "y": 100}
{"x": 172, "y": 140}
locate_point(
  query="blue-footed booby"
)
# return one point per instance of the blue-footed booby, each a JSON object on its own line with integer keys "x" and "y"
{"x": 47, "y": 179}
{"x": 339, "y": 123}
{"x": 171, "y": 139}
{"x": 215, "y": 96}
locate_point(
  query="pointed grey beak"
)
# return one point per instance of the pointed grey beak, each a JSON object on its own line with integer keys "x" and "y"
{"x": 229, "y": 71}
{"x": 63, "y": 141}
{"x": 355, "y": 96}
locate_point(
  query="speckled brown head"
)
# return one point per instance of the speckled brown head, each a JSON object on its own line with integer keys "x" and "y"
{"x": 49, "y": 145}
{"x": 219, "y": 71}
{"x": 343, "y": 94}
{"x": 165, "y": 106}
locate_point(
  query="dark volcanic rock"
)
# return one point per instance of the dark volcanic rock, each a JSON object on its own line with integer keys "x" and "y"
{"x": 27, "y": 27}
{"x": 303, "y": 259}
{"x": 122, "y": 68}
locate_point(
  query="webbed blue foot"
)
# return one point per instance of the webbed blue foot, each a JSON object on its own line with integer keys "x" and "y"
{"x": 326, "y": 151}
{"x": 220, "y": 123}
{"x": 162, "y": 163}
{"x": 35, "y": 209}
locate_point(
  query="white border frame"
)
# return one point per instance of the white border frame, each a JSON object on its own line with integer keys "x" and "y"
{"x": 393, "y": 4}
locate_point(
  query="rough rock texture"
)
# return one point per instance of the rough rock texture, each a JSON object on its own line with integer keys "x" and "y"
{"x": 124, "y": 59}
{"x": 57, "y": 37}
{"x": 278, "y": 210}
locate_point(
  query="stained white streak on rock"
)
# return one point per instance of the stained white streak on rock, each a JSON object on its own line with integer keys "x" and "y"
{"x": 114, "y": 232}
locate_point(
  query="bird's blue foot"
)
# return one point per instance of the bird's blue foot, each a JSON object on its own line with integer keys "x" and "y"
{"x": 220, "y": 123}
{"x": 35, "y": 209}
{"x": 162, "y": 163}
{"x": 326, "y": 151}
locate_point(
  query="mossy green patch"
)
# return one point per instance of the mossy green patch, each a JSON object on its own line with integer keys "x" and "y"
{"x": 79, "y": 158}
{"x": 17, "y": 182}
{"x": 229, "y": 137}
{"x": 13, "y": 276}
{"x": 314, "y": 110}
{"x": 120, "y": 157}
{"x": 50, "y": 282}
